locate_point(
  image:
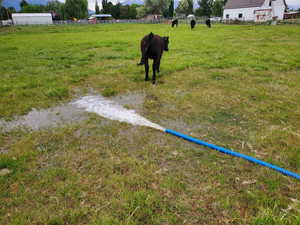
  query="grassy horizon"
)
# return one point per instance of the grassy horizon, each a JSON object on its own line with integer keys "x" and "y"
{"x": 236, "y": 86}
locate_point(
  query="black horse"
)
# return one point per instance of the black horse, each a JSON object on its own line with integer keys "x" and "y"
{"x": 208, "y": 23}
{"x": 193, "y": 24}
{"x": 175, "y": 22}
{"x": 152, "y": 46}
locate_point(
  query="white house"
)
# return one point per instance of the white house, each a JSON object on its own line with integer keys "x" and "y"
{"x": 254, "y": 10}
{"x": 31, "y": 18}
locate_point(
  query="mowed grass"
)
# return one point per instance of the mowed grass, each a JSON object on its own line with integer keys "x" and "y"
{"x": 235, "y": 86}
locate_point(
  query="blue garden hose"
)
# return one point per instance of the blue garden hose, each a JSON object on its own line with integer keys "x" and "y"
{"x": 229, "y": 152}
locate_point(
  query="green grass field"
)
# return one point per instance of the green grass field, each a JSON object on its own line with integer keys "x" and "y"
{"x": 234, "y": 86}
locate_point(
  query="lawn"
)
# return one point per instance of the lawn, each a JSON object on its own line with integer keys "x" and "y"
{"x": 237, "y": 86}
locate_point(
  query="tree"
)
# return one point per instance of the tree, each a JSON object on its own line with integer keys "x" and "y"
{"x": 171, "y": 9}
{"x": 97, "y": 10}
{"x": 23, "y": 3}
{"x": 53, "y": 6}
{"x": 153, "y": 7}
{"x": 185, "y": 7}
{"x": 104, "y": 6}
{"x": 141, "y": 12}
{"x": 217, "y": 8}
{"x": 62, "y": 12}
{"x": 132, "y": 14}
{"x": 205, "y": 8}
{"x": 10, "y": 11}
{"x": 76, "y": 9}
{"x": 33, "y": 9}
{"x": 3, "y": 13}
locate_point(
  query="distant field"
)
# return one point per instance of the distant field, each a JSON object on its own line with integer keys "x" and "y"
{"x": 231, "y": 85}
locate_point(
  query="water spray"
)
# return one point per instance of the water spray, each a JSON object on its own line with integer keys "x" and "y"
{"x": 113, "y": 111}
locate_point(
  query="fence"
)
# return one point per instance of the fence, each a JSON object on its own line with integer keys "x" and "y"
{"x": 199, "y": 20}
{"x": 154, "y": 21}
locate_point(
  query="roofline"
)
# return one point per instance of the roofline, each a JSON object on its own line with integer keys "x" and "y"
{"x": 31, "y": 14}
{"x": 284, "y": 2}
{"x": 244, "y": 7}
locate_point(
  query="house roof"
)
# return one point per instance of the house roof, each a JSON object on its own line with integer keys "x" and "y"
{"x": 236, "y": 4}
{"x": 101, "y": 15}
{"x": 31, "y": 14}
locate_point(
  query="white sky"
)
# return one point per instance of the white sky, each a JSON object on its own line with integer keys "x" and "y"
{"x": 290, "y": 3}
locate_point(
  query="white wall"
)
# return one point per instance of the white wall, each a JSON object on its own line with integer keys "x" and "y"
{"x": 31, "y": 18}
{"x": 248, "y": 13}
{"x": 277, "y": 7}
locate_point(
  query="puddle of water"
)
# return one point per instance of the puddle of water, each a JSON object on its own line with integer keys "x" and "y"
{"x": 44, "y": 118}
{"x": 65, "y": 114}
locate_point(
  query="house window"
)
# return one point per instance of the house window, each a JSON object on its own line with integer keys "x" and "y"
{"x": 240, "y": 15}
{"x": 270, "y": 3}
{"x": 227, "y": 16}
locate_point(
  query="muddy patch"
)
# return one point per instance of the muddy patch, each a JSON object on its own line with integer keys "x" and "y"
{"x": 134, "y": 100}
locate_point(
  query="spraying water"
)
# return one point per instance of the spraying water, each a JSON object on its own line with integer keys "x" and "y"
{"x": 113, "y": 111}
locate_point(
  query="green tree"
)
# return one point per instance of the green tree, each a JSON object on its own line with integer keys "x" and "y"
{"x": 217, "y": 8}
{"x": 76, "y": 9}
{"x": 3, "y": 13}
{"x": 62, "y": 12}
{"x": 104, "y": 6}
{"x": 97, "y": 10}
{"x": 185, "y": 7}
{"x": 124, "y": 12}
{"x": 205, "y": 8}
{"x": 171, "y": 9}
{"x": 115, "y": 11}
{"x": 129, "y": 11}
{"x": 11, "y": 10}
{"x": 141, "y": 12}
{"x": 23, "y": 3}
{"x": 132, "y": 11}
{"x": 156, "y": 6}
{"x": 33, "y": 9}
{"x": 53, "y": 6}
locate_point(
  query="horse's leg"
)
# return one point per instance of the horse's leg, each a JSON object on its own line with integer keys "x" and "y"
{"x": 158, "y": 65}
{"x": 154, "y": 68}
{"x": 146, "y": 69}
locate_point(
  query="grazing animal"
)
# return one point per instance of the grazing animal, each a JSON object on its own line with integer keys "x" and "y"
{"x": 152, "y": 46}
{"x": 193, "y": 24}
{"x": 175, "y": 22}
{"x": 208, "y": 24}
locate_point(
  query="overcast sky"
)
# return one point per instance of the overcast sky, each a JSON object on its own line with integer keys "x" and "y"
{"x": 291, "y": 3}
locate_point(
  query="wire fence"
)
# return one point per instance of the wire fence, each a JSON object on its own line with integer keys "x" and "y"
{"x": 199, "y": 20}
